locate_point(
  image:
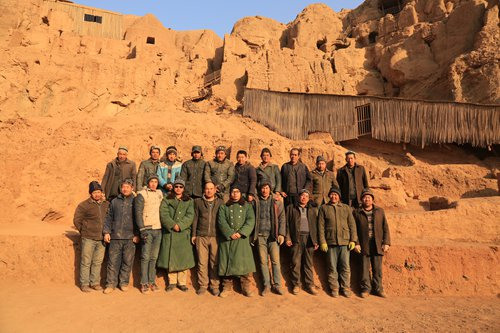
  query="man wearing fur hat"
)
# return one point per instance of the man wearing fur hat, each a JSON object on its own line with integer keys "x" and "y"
{"x": 375, "y": 240}
{"x": 220, "y": 171}
{"x": 121, "y": 232}
{"x": 148, "y": 167}
{"x": 147, "y": 215}
{"x": 322, "y": 180}
{"x": 337, "y": 236}
{"x": 117, "y": 170}
{"x": 176, "y": 251}
{"x": 352, "y": 180}
{"x": 169, "y": 169}
{"x": 89, "y": 221}
{"x": 192, "y": 173}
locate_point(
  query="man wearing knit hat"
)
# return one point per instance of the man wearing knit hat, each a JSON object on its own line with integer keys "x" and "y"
{"x": 147, "y": 216}
{"x": 148, "y": 167}
{"x": 220, "y": 171}
{"x": 375, "y": 240}
{"x": 116, "y": 171}
{"x": 89, "y": 221}
{"x": 337, "y": 236}
{"x": 352, "y": 180}
{"x": 192, "y": 173}
{"x": 169, "y": 169}
{"x": 322, "y": 180}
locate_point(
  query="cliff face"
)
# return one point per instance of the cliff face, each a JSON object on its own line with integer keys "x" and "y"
{"x": 444, "y": 50}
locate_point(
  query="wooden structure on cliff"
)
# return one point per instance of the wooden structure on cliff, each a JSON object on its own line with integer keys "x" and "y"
{"x": 295, "y": 115}
{"x": 90, "y": 21}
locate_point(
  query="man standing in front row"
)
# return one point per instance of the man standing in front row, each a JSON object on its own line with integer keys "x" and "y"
{"x": 236, "y": 220}
{"x": 148, "y": 168}
{"x": 117, "y": 171}
{"x": 220, "y": 171}
{"x": 337, "y": 236}
{"x": 192, "y": 173}
{"x": 375, "y": 240}
{"x": 302, "y": 236}
{"x": 352, "y": 180}
{"x": 269, "y": 234}
{"x": 204, "y": 237}
{"x": 121, "y": 232}
{"x": 89, "y": 221}
{"x": 147, "y": 215}
{"x": 295, "y": 177}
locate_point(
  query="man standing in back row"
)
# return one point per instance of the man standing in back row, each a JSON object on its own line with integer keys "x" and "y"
{"x": 267, "y": 171}
{"x": 352, "y": 180}
{"x": 295, "y": 177}
{"x": 148, "y": 168}
{"x": 192, "y": 173}
{"x": 220, "y": 171}
{"x": 117, "y": 171}
{"x": 322, "y": 179}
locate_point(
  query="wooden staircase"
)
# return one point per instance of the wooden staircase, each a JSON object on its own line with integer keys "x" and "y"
{"x": 204, "y": 91}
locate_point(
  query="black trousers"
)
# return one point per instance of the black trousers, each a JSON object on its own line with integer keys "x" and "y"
{"x": 302, "y": 257}
{"x": 375, "y": 282}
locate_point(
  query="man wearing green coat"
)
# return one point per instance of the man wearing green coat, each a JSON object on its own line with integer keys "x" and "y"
{"x": 176, "y": 252}
{"x": 236, "y": 221}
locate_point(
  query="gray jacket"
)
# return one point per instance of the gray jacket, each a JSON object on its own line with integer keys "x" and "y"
{"x": 192, "y": 174}
{"x": 120, "y": 221}
{"x": 278, "y": 219}
{"x": 146, "y": 169}
{"x": 220, "y": 173}
{"x": 205, "y": 219}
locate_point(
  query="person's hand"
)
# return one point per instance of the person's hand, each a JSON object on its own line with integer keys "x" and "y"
{"x": 176, "y": 228}
{"x": 107, "y": 238}
{"x": 316, "y": 246}
{"x": 281, "y": 239}
{"x": 144, "y": 235}
{"x": 324, "y": 247}
{"x": 193, "y": 240}
{"x": 289, "y": 243}
{"x": 283, "y": 194}
{"x": 250, "y": 198}
{"x": 351, "y": 246}
{"x": 357, "y": 248}
{"x": 169, "y": 187}
{"x": 136, "y": 239}
{"x": 385, "y": 248}
{"x": 235, "y": 236}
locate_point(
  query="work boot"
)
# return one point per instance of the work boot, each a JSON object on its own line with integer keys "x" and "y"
{"x": 215, "y": 291}
{"x": 96, "y": 287}
{"x": 154, "y": 287}
{"x": 124, "y": 288}
{"x": 183, "y": 288}
{"x": 346, "y": 293}
{"x": 170, "y": 287}
{"x": 380, "y": 293}
{"x": 334, "y": 293}
{"x": 144, "y": 289}
{"x": 265, "y": 291}
{"x": 247, "y": 293}
{"x": 364, "y": 294}
{"x": 109, "y": 290}
{"x": 85, "y": 289}
{"x": 311, "y": 290}
{"x": 201, "y": 291}
{"x": 295, "y": 290}
{"x": 277, "y": 290}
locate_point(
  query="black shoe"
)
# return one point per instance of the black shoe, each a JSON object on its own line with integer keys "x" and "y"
{"x": 170, "y": 287}
{"x": 311, "y": 290}
{"x": 277, "y": 290}
{"x": 183, "y": 288}
{"x": 346, "y": 293}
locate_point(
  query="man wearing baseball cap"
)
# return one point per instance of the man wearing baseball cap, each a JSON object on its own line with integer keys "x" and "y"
{"x": 192, "y": 173}
{"x": 220, "y": 171}
{"x": 89, "y": 221}
{"x": 117, "y": 170}
{"x": 337, "y": 236}
{"x": 375, "y": 240}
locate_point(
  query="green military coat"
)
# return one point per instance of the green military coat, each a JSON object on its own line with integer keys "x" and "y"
{"x": 176, "y": 251}
{"x": 235, "y": 256}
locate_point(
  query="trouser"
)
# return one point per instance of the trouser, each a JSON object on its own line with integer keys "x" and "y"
{"x": 92, "y": 255}
{"x": 227, "y": 281}
{"x": 208, "y": 259}
{"x": 179, "y": 278}
{"x": 375, "y": 283}
{"x": 338, "y": 257}
{"x": 149, "y": 255}
{"x": 120, "y": 261}
{"x": 302, "y": 256}
{"x": 268, "y": 247}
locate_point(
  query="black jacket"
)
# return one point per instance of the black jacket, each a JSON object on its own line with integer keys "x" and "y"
{"x": 120, "y": 221}
{"x": 380, "y": 230}
{"x": 245, "y": 179}
{"x": 343, "y": 179}
{"x": 304, "y": 179}
{"x": 192, "y": 173}
{"x": 205, "y": 220}
{"x": 293, "y": 222}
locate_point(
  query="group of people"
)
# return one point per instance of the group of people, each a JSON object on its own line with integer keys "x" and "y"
{"x": 219, "y": 216}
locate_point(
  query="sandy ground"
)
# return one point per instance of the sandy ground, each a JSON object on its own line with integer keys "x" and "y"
{"x": 55, "y": 308}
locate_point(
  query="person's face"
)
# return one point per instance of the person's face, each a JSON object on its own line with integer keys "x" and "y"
{"x": 153, "y": 184}
{"x": 235, "y": 195}
{"x": 196, "y": 155}
{"x": 334, "y": 197}
{"x": 126, "y": 189}
{"x": 242, "y": 159}
{"x": 294, "y": 156}
{"x": 350, "y": 159}
{"x": 321, "y": 165}
{"x": 265, "y": 191}
{"x": 266, "y": 158}
{"x": 304, "y": 198}
{"x": 367, "y": 201}
{"x": 171, "y": 157}
{"x": 122, "y": 155}
{"x": 209, "y": 190}
{"x": 96, "y": 195}
{"x": 220, "y": 155}
{"x": 178, "y": 189}
{"x": 155, "y": 154}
